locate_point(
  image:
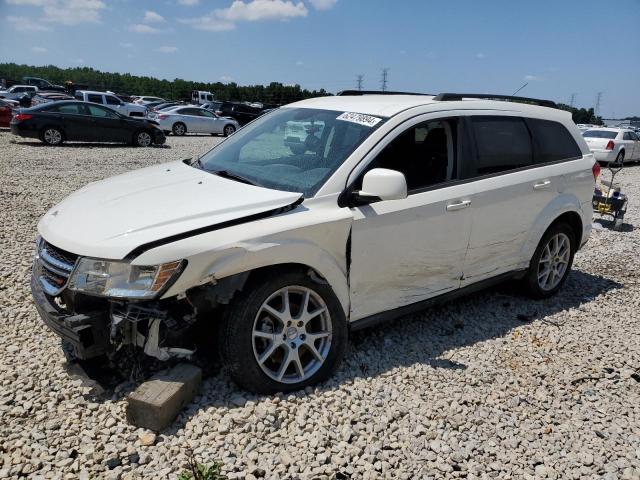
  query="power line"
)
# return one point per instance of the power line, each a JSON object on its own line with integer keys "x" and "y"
{"x": 359, "y": 79}
{"x": 385, "y": 80}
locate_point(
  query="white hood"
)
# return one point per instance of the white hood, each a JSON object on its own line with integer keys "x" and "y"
{"x": 110, "y": 218}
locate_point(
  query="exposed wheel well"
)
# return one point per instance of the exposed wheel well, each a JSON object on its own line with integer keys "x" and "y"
{"x": 574, "y": 221}
{"x": 224, "y": 290}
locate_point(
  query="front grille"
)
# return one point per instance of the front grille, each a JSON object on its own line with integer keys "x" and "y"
{"x": 53, "y": 266}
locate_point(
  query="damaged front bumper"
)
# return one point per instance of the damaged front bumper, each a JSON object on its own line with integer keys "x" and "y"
{"x": 109, "y": 325}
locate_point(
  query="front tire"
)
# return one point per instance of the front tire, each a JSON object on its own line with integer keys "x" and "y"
{"x": 52, "y": 136}
{"x": 551, "y": 262}
{"x": 179, "y": 129}
{"x": 142, "y": 139}
{"x": 283, "y": 333}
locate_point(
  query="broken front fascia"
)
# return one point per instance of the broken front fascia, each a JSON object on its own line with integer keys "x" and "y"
{"x": 158, "y": 326}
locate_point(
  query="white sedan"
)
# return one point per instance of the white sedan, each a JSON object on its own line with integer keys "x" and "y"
{"x": 190, "y": 119}
{"x": 613, "y": 144}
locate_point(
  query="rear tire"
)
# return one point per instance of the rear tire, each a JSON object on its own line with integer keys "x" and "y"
{"x": 52, "y": 136}
{"x": 551, "y": 262}
{"x": 620, "y": 157}
{"x": 228, "y": 130}
{"x": 179, "y": 129}
{"x": 265, "y": 345}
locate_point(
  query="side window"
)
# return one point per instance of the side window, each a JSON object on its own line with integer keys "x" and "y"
{"x": 92, "y": 97}
{"x": 627, "y": 136}
{"x": 634, "y": 137}
{"x": 552, "y": 141}
{"x": 503, "y": 144}
{"x": 79, "y": 96}
{"x": 69, "y": 108}
{"x": 206, "y": 113}
{"x": 425, "y": 154}
{"x": 111, "y": 100}
{"x": 101, "y": 112}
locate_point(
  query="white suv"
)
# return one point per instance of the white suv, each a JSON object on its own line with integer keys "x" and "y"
{"x": 274, "y": 255}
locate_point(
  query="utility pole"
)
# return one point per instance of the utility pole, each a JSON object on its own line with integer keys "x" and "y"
{"x": 572, "y": 100}
{"x": 598, "y": 100}
{"x": 359, "y": 79}
{"x": 385, "y": 80}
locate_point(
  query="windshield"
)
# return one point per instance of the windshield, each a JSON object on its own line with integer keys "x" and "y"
{"x": 600, "y": 134}
{"x": 292, "y": 149}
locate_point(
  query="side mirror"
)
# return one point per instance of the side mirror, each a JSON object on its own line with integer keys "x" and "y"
{"x": 383, "y": 184}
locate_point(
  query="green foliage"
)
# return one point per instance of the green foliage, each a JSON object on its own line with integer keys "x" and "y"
{"x": 199, "y": 471}
{"x": 124, "y": 83}
{"x": 582, "y": 115}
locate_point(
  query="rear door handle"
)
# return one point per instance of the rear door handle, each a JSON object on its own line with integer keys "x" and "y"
{"x": 452, "y": 207}
{"x": 542, "y": 185}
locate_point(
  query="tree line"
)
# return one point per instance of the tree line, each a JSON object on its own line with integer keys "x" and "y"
{"x": 274, "y": 93}
{"x": 124, "y": 83}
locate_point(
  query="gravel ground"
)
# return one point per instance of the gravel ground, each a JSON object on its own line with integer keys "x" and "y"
{"x": 492, "y": 386}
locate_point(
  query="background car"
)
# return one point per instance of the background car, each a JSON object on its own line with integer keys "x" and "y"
{"x": 43, "y": 84}
{"x": 46, "y": 97}
{"x": 213, "y": 106}
{"x": 613, "y": 144}
{"x": 6, "y": 112}
{"x": 56, "y": 122}
{"x": 18, "y": 91}
{"x": 241, "y": 112}
{"x": 146, "y": 100}
{"x": 161, "y": 106}
{"x": 191, "y": 119}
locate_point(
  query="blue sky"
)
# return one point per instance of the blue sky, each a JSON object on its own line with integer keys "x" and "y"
{"x": 559, "y": 47}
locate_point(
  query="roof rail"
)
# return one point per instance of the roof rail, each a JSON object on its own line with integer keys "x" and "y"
{"x": 357, "y": 93}
{"x": 443, "y": 97}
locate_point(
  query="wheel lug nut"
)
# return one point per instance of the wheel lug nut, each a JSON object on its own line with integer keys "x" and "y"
{"x": 303, "y": 336}
{"x": 293, "y": 345}
{"x": 300, "y": 324}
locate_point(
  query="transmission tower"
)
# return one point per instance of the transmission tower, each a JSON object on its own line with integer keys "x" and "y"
{"x": 572, "y": 100}
{"x": 385, "y": 79}
{"x": 598, "y": 100}
{"x": 359, "y": 79}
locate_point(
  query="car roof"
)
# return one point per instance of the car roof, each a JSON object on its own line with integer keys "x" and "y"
{"x": 609, "y": 129}
{"x": 390, "y": 105}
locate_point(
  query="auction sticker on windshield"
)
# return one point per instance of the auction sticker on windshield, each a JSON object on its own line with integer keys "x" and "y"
{"x": 360, "y": 119}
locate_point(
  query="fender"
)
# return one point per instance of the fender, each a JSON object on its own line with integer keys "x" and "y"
{"x": 250, "y": 256}
{"x": 566, "y": 202}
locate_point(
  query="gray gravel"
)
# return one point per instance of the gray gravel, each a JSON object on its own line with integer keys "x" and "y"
{"x": 492, "y": 386}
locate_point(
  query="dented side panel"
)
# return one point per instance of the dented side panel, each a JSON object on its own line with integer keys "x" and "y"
{"x": 314, "y": 234}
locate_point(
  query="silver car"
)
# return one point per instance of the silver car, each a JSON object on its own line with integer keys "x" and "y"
{"x": 190, "y": 119}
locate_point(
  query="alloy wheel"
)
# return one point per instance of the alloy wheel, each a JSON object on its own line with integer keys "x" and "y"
{"x": 229, "y": 129}
{"x": 144, "y": 139}
{"x": 52, "y": 136}
{"x": 554, "y": 261}
{"x": 291, "y": 334}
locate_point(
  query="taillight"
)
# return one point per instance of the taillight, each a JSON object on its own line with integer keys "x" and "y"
{"x": 596, "y": 171}
{"x": 161, "y": 117}
{"x": 23, "y": 116}
{"x": 610, "y": 145}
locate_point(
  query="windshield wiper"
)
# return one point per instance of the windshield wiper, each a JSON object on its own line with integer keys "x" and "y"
{"x": 233, "y": 176}
{"x": 197, "y": 163}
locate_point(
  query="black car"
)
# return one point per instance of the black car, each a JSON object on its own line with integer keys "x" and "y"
{"x": 56, "y": 122}
{"x": 241, "y": 112}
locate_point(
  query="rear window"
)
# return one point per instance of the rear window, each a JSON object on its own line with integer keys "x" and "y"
{"x": 503, "y": 144}
{"x": 552, "y": 141}
{"x": 600, "y": 134}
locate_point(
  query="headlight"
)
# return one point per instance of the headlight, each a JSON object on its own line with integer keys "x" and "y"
{"x": 121, "y": 279}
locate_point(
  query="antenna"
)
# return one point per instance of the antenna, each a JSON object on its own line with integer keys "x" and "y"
{"x": 572, "y": 100}
{"x": 526, "y": 83}
{"x": 359, "y": 79}
{"x": 384, "y": 81}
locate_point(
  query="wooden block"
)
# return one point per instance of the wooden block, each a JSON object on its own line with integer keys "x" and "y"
{"x": 157, "y": 402}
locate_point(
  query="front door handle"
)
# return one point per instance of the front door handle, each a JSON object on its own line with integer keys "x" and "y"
{"x": 542, "y": 185}
{"x": 452, "y": 207}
